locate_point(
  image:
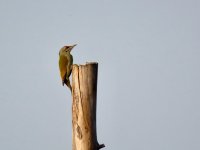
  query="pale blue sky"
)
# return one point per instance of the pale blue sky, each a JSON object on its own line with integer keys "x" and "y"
{"x": 149, "y": 72}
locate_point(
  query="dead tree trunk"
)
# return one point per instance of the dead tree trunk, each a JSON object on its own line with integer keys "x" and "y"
{"x": 84, "y": 92}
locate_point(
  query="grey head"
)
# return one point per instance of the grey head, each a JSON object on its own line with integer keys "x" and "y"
{"x": 66, "y": 49}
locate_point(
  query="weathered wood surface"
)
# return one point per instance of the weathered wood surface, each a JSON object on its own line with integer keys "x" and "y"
{"x": 84, "y": 92}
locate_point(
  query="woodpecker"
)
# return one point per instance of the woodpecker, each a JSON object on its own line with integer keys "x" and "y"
{"x": 65, "y": 64}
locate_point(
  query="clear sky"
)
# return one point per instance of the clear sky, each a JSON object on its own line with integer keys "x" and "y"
{"x": 149, "y": 72}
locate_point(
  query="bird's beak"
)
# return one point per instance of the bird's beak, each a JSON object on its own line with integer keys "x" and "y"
{"x": 72, "y": 47}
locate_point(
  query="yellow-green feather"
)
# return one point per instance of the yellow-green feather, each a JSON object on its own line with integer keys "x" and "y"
{"x": 65, "y": 65}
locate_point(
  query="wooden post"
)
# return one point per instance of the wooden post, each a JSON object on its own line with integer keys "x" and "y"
{"x": 84, "y": 92}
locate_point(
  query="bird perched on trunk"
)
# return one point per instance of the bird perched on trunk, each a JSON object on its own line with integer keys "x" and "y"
{"x": 65, "y": 64}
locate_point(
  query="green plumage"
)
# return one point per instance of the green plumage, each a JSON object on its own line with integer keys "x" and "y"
{"x": 65, "y": 65}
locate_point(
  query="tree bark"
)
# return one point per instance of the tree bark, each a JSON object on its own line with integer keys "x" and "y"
{"x": 84, "y": 93}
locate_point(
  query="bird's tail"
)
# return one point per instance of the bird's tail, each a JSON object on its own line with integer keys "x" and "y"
{"x": 67, "y": 82}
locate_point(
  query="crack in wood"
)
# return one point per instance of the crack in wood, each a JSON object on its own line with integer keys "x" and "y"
{"x": 79, "y": 132}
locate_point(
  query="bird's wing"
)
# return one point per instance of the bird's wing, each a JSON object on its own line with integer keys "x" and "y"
{"x": 71, "y": 58}
{"x": 70, "y": 64}
{"x": 63, "y": 63}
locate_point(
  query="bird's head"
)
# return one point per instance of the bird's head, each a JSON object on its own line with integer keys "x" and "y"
{"x": 66, "y": 49}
